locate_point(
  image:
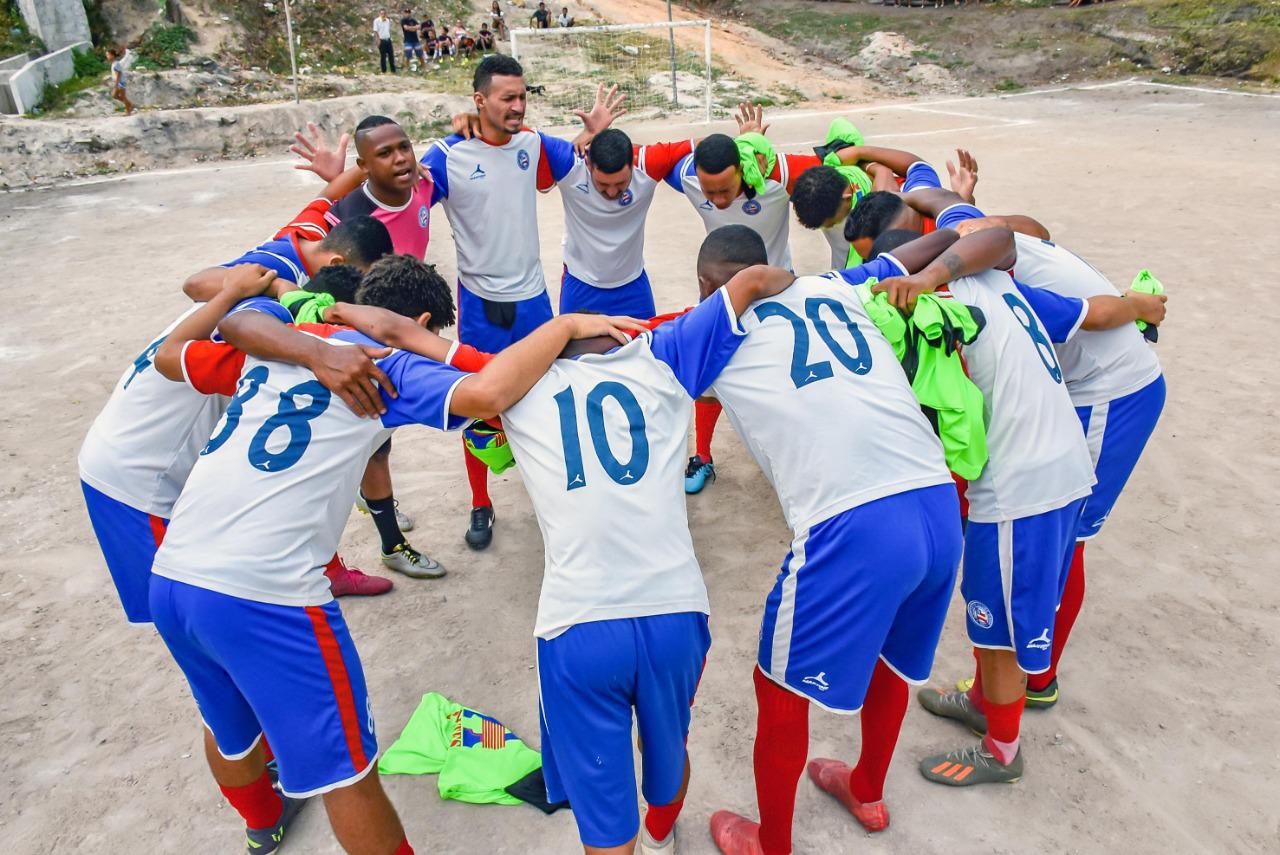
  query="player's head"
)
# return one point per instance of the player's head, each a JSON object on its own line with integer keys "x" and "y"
{"x": 609, "y": 161}
{"x": 500, "y": 96}
{"x": 338, "y": 280}
{"x": 822, "y": 197}
{"x": 359, "y": 241}
{"x": 386, "y": 153}
{"x": 876, "y": 214}
{"x": 113, "y": 53}
{"x": 725, "y": 251}
{"x": 891, "y": 240}
{"x": 719, "y": 169}
{"x": 409, "y": 287}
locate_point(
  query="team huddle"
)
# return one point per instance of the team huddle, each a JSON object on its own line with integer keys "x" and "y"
{"x": 958, "y": 389}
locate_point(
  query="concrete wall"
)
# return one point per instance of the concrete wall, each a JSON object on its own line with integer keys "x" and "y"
{"x": 25, "y": 87}
{"x": 13, "y": 63}
{"x": 60, "y": 23}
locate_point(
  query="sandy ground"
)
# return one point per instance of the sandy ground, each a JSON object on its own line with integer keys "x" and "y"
{"x": 1166, "y": 738}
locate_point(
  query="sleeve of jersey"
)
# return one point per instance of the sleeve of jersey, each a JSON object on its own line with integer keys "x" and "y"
{"x": 920, "y": 174}
{"x": 265, "y": 305}
{"x": 796, "y": 165}
{"x": 425, "y": 388}
{"x": 660, "y": 159}
{"x": 321, "y": 330}
{"x": 464, "y": 357}
{"x": 1061, "y": 316}
{"x": 881, "y": 267}
{"x": 311, "y": 223}
{"x": 957, "y": 213}
{"x": 556, "y": 161}
{"x": 436, "y": 160}
{"x": 284, "y": 269}
{"x": 212, "y": 367}
{"x": 682, "y": 168}
{"x": 699, "y": 344}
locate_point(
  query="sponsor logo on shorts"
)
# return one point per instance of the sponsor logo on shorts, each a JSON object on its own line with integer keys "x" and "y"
{"x": 424, "y": 216}
{"x": 980, "y": 614}
{"x": 478, "y": 173}
{"x": 522, "y": 159}
{"x": 626, "y": 198}
{"x": 751, "y": 207}
{"x": 1041, "y": 642}
{"x": 820, "y": 681}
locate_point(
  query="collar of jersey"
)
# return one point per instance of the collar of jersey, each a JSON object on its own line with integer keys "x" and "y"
{"x": 383, "y": 205}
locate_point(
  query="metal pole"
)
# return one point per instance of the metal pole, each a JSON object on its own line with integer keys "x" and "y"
{"x": 293, "y": 60}
{"x": 675, "y": 93}
{"x": 706, "y": 50}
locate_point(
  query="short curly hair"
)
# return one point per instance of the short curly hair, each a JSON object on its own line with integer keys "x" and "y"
{"x": 409, "y": 287}
{"x": 872, "y": 216}
{"x": 817, "y": 196}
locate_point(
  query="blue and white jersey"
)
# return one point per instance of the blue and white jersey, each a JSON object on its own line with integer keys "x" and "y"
{"x": 822, "y": 403}
{"x": 281, "y": 255}
{"x": 264, "y": 507}
{"x": 600, "y": 441}
{"x": 1038, "y": 458}
{"x": 490, "y": 195}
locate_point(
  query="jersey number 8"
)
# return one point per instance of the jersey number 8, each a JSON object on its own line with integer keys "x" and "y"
{"x": 625, "y": 474}
{"x": 804, "y": 372}
{"x": 1029, "y": 323}
{"x": 295, "y": 419}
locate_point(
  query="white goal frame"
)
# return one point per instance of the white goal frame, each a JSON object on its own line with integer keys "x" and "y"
{"x": 555, "y": 32}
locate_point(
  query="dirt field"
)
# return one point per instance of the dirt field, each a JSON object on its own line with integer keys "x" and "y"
{"x": 1166, "y": 739}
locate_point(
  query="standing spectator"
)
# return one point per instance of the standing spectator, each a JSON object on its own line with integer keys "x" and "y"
{"x": 541, "y": 18}
{"x": 499, "y": 21}
{"x": 485, "y": 40}
{"x": 565, "y": 20}
{"x": 115, "y": 56}
{"x": 412, "y": 32}
{"x": 386, "y": 52}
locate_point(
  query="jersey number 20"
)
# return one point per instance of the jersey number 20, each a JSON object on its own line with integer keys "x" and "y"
{"x": 627, "y": 473}
{"x": 289, "y": 416}
{"x": 804, "y": 372}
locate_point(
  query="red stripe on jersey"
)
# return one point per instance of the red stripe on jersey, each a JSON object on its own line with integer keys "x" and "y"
{"x": 321, "y": 330}
{"x": 158, "y": 528}
{"x": 311, "y": 223}
{"x": 660, "y": 158}
{"x": 796, "y": 165}
{"x": 658, "y": 320}
{"x": 212, "y": 367}
{"x": 467, "y": 358}
{"x": 545, "y": 179}
{"x": 345, "y": 698}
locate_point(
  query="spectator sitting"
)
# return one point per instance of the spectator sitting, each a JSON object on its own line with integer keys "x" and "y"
{"x": 484, "y": 40}
{"x": 499, "y": 21}
{"x": 466, "y": 45}
{"x": 541, "y": 18}
{"x": 565, "y": 19}
{"x": 444, "y": 45}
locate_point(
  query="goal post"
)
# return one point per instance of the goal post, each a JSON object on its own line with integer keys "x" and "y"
{"x": 637, "y": 58}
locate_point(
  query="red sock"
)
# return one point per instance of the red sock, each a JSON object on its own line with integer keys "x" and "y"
{"x": 975, "y": 691}
{"x": 660, "y": 819}
{"x": 478, "y": 476}
{"x": 782, "y": 746}
{"x": 882, "y": 714}
{"x": 1003, "y": 722}
{"x": 257, "y": 803}
{"x": 404, "y": 848}
{"x": 1068, "y": 611}
{"x": 705, "y": 416}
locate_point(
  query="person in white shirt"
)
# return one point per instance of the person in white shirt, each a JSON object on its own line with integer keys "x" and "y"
{"x": 564, "y": 19}
{"x": 386, "y": 50}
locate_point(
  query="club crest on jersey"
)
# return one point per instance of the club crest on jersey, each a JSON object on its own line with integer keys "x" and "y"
{"x": 522, "y": 159}
{"x": 424, "y": 216}
{"x": 478, "y": 173}
{"x": 980, "y": 614}
{"x": 751, "y": 207}
{"x": 626, "y": 198}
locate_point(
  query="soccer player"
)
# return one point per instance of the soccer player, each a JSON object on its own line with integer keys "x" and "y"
{"x": 606, "y": 198}
{"x": 238, "y": 593}
{"x": 859, "y": 604}
{"x": 712, "y": 178}
{"x": 488, "y": 186}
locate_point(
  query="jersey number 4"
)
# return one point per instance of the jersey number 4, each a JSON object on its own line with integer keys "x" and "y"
{"x": 289, "y": 416}
{"x": 627, "y": 473}
{"x": 804, "y": 372}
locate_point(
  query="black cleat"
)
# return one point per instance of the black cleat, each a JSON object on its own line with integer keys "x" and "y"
{"x": 480, "y": 535}
{"x": 260, "y": 841}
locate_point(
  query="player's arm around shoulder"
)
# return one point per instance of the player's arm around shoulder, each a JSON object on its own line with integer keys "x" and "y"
{"x": 984, "y": 250}
{"x": 755, "y": 283}
{"x": 238, "y": 283}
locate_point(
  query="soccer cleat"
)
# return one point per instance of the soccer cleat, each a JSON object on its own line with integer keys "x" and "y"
{"x": 649, "y": 846}
{"x": 409, "y": 561}
{"x": 347, "y": 581}
{"x": 832, "y": 776}
{"x": 954, "y": 705}
{"x": 735, "y": 835}
{"x": 970, "y": 766}
{"x": 480, "y": 534}
{"x": 1036, "y": 700}
{"x": 260, "y": 841}
{"x": 403, "y": 520}
{"x": 698, "y": 473}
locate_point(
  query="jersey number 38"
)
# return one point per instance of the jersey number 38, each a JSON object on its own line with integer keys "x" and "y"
{"x": 288, "y": 416}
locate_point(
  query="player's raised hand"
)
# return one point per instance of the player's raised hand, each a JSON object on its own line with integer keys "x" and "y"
{"x": 608, "y": 107}
{"x": 466, "y": 125}
{"x": 326, "y": 162}
{"x": 618, "y": 327}
{"x": 903, "y": 291}
{"x": 351, "y": 374}
{"x": 247, "y": 280}
{"x": 750, "y": 118}
{"x": 1151, "y": 307}
{"x": 963, "y": 174}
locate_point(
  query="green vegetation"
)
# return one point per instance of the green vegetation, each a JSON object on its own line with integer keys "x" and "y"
{"x": 162, "y": 44}
{"x": 14, "y": 36}
{"x": 90, "y": 67}
{"x": 1008, "y": 85}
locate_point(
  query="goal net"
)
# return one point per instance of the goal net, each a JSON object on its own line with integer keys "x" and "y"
{"x": 638, "y": 58}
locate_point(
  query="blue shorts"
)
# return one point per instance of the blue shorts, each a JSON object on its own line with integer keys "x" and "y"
{"x": 590, "y": 678}
{"x": 290, "y": 672}
{"x": 1014, "y": 573}
{"x": 1117, "y": 432}
{"x": 871, "y": 582}
{"x": 129, "y": 539}
{"x": 635, "y": 299}
{"x": 491, "y": 334}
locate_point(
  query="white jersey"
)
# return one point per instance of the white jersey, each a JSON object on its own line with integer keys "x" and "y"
{"x": 1038, "y": 458}
{"x": 143, "y": 444}
{"x": 265, "y": 505}
{"x": 1097, "y": 365}
{"x": 489, "y": 193}
{"x": 822, "y": 403}
{"x": 768, "y": 214}
{"x": 604, "y": 238}
{"x": 600, "y": 441}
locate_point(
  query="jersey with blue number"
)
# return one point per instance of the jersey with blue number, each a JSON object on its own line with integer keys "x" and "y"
{"x": 1038, "y": 457}
{"x": 266, "y": 503}
{"x": 600, "y": 441}
{"x": 822, "y": 403}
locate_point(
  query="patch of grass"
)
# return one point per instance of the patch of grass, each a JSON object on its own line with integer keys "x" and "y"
{"x": 926, "y": 55}
{"x": 89, "y": 69}
{"x": 15, "y": 38}
{"x": 162, "y": 44}
{"x": 1008, "y": 85}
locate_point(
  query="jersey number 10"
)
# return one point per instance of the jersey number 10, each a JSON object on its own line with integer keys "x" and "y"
{"x": 627, "y": 473}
